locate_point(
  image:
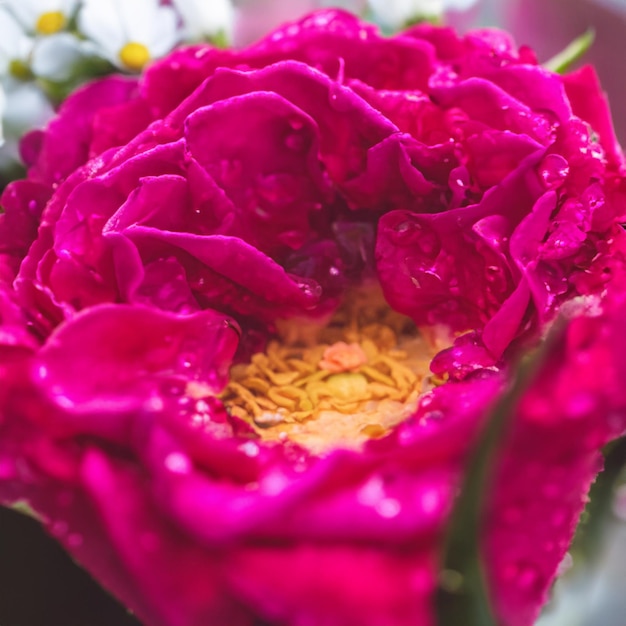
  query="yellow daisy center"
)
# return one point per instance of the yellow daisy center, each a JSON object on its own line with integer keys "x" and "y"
{"x": 20, "y": 70}
{"x": 361, "y": 376}
{"x": 134, "y": 56}
{"x": 50, "y": 22}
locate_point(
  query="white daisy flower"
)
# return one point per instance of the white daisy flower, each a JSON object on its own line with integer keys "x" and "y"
{"x": 394, "y": 14}
{"x": 3, "y": 101}
{"x": 459, "y": 5}
{"x": 206, "y": 19}
{"x": 26, "y": 108}
{"x": 55, "y": 58}
{"x": 43, "y": 17}
{"x": 129, "y": 33}
{"x": 15, "y": 47}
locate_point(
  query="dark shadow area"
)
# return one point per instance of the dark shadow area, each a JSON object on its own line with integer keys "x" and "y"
{"x": 41, "y": 586}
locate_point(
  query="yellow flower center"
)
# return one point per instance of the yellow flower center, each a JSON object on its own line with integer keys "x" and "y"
{"x": 50, "y": 22}
{"x": 20, "y": 70}
{"x": 362, "y": 376}
{"x": 134, "y": 56}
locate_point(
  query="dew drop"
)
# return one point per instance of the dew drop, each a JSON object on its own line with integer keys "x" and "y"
{"x": 338, "y": 100}
{"x": 310, "y": 289}
{"x": 388, "y": 508}
{"x": 174, "y": 389}
{"x": 153, "y": 405}
{"x": 250, "y": 449}
{"x": 558, "y": 517}
{"x": 177, "y": 463}
{"x": 202, "y": 406}
{"x": 405, "y": 232}
{"x": 296, "y": 142}
{"x": 528, "y": 577}
{"x": 188, "y": 360}
{"x": 433, "y": 416}
{"x": 273, "y": 484}
{"x": 297, "y": 123}
{"x": 431, "y": 501}
{"x": 493, "y": 273}
{"x": 553, "y": 170}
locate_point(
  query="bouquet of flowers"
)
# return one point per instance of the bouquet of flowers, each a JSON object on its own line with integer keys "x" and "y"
{"x": 325, "y": 330}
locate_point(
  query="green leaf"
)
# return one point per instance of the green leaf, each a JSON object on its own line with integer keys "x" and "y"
{"x": 562, "y": 61}
{"x": 21, "y": 506}
{"x": 590, "y": 534}
{"x": 462, "y": 597}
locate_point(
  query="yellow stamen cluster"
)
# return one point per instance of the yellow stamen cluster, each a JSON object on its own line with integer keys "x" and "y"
{"x": 134, "y": 56}
{"x": 362, "y": 377}
{"x": 50, "y": 22}
{"x": 20, "y": 70}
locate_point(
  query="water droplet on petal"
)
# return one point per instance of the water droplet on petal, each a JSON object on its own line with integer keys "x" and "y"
{"x": 431, "y": 501}
{"x": 559, "y": 517}
{"x": 405, "y": 232}
{"x": 388, "y": 508}
{"x": 528, "y": 576}
{"x": 187, "y": 360}
{"x": 178, "y": 463}
{"x": 250, "y": 449}
{"x": 553, "y": 170}
{"x": 310, "y": 289}
{"x": 296, "y": 142}
{"x": 174, "y": 389}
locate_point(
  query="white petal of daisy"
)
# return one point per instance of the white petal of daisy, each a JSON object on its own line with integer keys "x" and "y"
{"x": 44, "y": 17}
{"x": 3, "y": 102}
{"x": 459, "y": 5}
{"x": 204, "y": 19}
{"x": 27, "y": 108}
{"x": 129, "y": 33}
{"x": 55, "y": 58}
{"x": 15, "y": 45}
{"x": 394, "y": 14}
{"x": 355, "y": 6}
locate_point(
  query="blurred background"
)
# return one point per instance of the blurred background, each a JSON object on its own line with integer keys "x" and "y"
{"x": 40, "y": 586}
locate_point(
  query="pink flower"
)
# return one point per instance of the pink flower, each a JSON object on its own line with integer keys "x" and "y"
{"x": 172, "y": 226}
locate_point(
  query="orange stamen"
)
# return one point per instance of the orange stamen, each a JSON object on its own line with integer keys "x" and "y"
{"x": 343, "y": 357}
